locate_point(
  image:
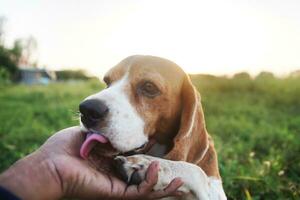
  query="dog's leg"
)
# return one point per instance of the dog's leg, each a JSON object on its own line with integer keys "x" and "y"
{"x": 196, "y": 184}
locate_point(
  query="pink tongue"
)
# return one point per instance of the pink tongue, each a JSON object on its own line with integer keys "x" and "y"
{"x": 90, "y": 141}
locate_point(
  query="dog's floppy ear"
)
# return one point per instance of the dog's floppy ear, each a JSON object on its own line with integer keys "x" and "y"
{"x": 191, "y": 141}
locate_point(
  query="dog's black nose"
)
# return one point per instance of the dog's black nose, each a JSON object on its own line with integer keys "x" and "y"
{"x": 92, "y": 111}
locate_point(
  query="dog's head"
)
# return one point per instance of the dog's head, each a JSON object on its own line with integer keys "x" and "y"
{"x": 147, "y": 98}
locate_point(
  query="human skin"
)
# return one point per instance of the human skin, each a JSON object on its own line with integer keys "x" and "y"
{"x": 56, "y": 170}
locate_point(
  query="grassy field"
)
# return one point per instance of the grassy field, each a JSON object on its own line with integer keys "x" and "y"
{"x": 255, "y": 125}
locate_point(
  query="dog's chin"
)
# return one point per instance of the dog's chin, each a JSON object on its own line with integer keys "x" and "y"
{"x": 108, "y": 151}
{"x": 105, "y": 150}
{"x": 102, "y": 156}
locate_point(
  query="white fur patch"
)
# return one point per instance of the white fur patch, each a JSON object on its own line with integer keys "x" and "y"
{"x": 125, "y": 128}
{"x": 216, "y": 188}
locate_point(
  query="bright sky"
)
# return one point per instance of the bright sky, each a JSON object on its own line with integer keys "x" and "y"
{"x": 215, "y": 36}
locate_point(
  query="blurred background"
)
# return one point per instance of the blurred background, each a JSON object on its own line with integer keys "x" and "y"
{"x": 243, "y": 56}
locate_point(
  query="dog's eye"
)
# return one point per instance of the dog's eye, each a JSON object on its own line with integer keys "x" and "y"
{"x": 149, "y": 89}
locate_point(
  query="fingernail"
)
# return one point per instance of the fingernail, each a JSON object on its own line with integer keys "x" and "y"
{"x": 179, "y": 180}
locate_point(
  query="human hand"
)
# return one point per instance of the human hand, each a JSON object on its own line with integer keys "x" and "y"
{"x": 56, "y": 170}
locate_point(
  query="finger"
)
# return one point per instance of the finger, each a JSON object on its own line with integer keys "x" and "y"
{"x": 147, "y": 185}
{"x": 174, "y": 185}
{"x": 68, "y": 134}
{"x": 64, "y": 138}
{"x": 170, "y": 190}
{"x": 151, "y": 178}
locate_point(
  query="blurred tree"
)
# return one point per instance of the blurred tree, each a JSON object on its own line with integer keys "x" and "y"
{"x": 28, "y": 51}
{"x": 265, "y": 76}
{"x": 7, "y": 62}
{"x": 9, "y": 58}
{"x": 16, "y": 51}
{"x": 63, "y": 75}
{"x": 22, "y": 54}
{"x": 242, "y": 75}
{"x": 2, "y": 21}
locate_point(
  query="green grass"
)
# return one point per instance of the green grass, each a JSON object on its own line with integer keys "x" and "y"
{"x": 255, "y": 125}
{"x": 30, "y": 114}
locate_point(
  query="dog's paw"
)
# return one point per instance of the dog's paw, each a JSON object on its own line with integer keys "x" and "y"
{"x": 132, "y": 169}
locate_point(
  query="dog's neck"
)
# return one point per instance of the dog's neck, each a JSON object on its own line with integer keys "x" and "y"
{"x": 158, "y": 150}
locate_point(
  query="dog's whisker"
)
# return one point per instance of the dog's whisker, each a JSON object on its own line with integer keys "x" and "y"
{"x": 75, "y": 115}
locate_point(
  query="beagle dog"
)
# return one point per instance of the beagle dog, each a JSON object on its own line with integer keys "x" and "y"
{"x": 151, "y": 111}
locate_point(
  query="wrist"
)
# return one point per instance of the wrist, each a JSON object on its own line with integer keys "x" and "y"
{"x": 33, "y": 177}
